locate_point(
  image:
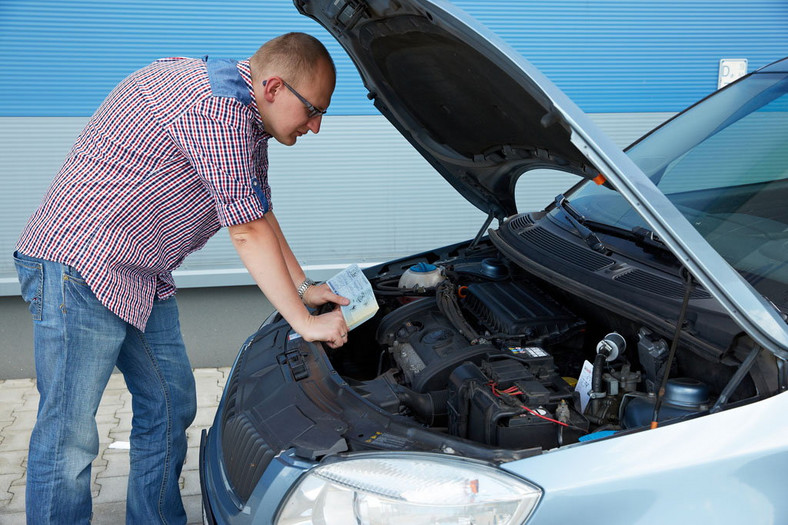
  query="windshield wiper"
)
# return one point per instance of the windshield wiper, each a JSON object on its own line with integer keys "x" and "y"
{"x": 643, "y": 237}
{"x": 649, "y": 239}
{"x": 577, "y": 220}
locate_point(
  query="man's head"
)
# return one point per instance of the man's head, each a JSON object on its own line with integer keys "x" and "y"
{"x": 290, "y": 73}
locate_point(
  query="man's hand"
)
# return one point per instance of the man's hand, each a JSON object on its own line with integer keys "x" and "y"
{"x": 261, "y": 253}
{"x": 322, "y": 294}
{"x": 269, "y": 260}
{"x": 329, "y": 327}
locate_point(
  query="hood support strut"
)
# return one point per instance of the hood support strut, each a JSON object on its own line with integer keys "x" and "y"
{"x": 483, "y": 230}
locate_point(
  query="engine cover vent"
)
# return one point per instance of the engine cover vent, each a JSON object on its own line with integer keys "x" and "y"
{"x": 524, "y": 311}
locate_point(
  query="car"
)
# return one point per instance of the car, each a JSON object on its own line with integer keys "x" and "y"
{"x": 616, "y": 357}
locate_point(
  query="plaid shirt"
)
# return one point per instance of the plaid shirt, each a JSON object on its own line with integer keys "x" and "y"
{"x": 176, "y": 151}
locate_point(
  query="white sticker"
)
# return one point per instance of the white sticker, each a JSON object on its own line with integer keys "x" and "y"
{"x": 731, "y": 69}
{"x": 535, "y": 351}
{"x": 530, "y": 351}
{"x": 583, "y": 385}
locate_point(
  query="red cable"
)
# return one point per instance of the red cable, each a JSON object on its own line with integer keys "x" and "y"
{"x": 537, "y": 414}
{"x": 512, "y": 390}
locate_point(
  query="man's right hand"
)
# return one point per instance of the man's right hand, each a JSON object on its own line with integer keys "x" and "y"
{"x": 329, "y": 327}
{"x": 261, "y": 252}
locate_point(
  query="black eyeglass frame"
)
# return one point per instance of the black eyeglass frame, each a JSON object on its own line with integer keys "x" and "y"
{"x": 312, "y": 110}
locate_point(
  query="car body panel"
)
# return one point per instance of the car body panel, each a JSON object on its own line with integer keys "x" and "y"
{"x": 262, "y": 505}
{"x": 499, "y": 113}
{"x": 223, "y": 505}
{"x": 737, "y": 478}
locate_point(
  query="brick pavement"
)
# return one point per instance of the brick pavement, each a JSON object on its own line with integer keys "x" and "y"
{"x": 18, "y": 403}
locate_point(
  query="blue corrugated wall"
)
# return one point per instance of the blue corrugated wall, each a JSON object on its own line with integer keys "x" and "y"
{"x": 637, "y": 56}
{"x": 60, "y": 58}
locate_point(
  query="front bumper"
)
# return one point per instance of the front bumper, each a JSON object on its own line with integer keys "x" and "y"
{"x": 221, "y": 504}
{"x": 207, "y": 514}
{"x": 244, "y": 474}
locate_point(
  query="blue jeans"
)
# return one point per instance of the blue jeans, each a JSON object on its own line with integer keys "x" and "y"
{"x": 78, "y": 342}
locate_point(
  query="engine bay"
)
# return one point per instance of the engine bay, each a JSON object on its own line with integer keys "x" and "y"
{"x": 474, "y": 353}
{"x": 471, "y": 346}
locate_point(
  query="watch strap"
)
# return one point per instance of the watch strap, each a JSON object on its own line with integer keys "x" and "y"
{"x": 304, "y": 286}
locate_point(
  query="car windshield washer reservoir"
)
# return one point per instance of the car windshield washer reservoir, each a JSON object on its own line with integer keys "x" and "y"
{"x": 421, "y": 275}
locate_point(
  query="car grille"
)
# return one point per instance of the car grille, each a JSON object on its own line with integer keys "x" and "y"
{"x": 521, "y": 222}
{"x": 246, "y": 454}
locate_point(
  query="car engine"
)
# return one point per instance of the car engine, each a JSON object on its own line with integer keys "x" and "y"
{"x": 476, "y": 349}
{"x": 500, "y": 388}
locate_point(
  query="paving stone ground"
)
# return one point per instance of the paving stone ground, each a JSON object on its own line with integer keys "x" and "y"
{"x": 18, "y": 403}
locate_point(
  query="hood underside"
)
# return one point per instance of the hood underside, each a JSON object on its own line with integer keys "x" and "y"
{"x": 456, "y": 94}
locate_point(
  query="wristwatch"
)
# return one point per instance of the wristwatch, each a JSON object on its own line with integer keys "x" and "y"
{"x": 304, "y": 286}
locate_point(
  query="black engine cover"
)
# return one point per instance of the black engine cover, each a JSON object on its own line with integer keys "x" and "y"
{"x": 426, "y": 346}
{"x": 521, "y": 310}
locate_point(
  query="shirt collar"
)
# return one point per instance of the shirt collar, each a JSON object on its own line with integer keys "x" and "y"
{"x": 246, "y": 73}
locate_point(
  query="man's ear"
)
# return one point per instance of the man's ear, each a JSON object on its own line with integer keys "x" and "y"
{"x": 271, "y": 87}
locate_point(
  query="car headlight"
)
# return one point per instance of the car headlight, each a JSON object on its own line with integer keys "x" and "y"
{"x": 408, "y": 488}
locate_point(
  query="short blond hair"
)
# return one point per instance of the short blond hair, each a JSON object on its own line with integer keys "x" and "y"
{"x": 293, "y": 56}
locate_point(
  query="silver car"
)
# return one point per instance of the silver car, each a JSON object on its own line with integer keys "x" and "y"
{"x": 617, "y": 357}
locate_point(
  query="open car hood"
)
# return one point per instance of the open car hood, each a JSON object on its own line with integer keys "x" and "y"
{"x": 481, "y": 115}
{"x": 478, "y": 112}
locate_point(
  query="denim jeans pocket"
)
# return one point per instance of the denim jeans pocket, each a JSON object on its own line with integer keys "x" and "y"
{"x": 31, "y": 279}
{"x": 71, "y": 274}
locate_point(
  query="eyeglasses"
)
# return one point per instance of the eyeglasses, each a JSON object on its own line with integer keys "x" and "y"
{"x": 312, "y": 111}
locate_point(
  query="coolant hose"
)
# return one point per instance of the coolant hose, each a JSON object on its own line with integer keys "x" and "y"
{"x": 446, "y": 297}
{"x": 596, "y": 377}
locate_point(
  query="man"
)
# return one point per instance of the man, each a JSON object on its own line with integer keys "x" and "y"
{"x": 177, "y": 150}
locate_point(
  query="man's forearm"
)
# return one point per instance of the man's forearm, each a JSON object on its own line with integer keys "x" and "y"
{"x": 260, "y": 250}
{"x": 293, "y": 266}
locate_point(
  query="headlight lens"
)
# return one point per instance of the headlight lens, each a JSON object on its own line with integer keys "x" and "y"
{"x": 408, "y": 488}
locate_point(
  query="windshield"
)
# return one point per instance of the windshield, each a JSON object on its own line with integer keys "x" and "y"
{"x": 724, "y": 165}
